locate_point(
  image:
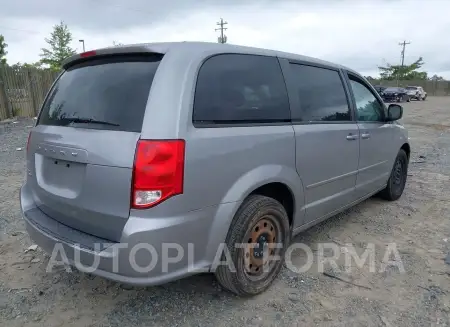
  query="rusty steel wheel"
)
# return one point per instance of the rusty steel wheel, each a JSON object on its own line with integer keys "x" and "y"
{"x": 261, "y": 244}
{"x": 259, "y": 229}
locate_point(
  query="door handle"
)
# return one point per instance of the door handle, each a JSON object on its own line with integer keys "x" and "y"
{"x": 365, "y": 136}
{"x": 351, "y": 137}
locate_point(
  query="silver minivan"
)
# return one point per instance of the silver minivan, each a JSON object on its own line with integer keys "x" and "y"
{"x": 152, "y": 162}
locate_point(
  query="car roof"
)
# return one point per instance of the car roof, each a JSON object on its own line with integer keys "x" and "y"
{"x": 200, "y": 48}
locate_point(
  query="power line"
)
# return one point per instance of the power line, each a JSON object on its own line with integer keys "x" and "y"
{"x": 222, "y": 38}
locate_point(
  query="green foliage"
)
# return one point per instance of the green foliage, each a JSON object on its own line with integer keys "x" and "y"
{"x": 37, "y": 65}
{"x": 3, "y": 51}
{"x": 59, "y": 47}
{"x": 406, "y": 72}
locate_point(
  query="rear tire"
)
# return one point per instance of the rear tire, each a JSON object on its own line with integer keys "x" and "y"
{"x": 397, "y": 180}
{"x": 253, "y": 275}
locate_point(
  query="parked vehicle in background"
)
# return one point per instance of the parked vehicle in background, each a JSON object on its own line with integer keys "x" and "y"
{"x": 197, "y": 145}
{"x": 379, "y": 88}
{"x": 416, "y": 92}
{"x": 395, "y": 94}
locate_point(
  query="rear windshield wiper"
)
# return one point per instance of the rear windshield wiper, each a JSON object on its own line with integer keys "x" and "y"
{"x": 89, "y": 121}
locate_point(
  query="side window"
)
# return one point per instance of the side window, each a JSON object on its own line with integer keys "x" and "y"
{"x": 321, "y": 93}
{"x": 368, "y": 108}
{"x": 235, "y": 88}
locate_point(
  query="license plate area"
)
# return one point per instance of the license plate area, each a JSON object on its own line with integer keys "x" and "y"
{"x": 60, "y": 177}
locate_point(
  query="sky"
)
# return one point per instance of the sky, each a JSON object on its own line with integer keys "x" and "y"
{"x": 360, "y": 34}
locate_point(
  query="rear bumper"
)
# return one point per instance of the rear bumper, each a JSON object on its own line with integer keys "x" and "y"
{"x": 151, "y": 251}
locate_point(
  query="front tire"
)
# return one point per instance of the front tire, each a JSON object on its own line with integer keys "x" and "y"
{"x": 264, "y": 221}
{"x": 397, "y": 180}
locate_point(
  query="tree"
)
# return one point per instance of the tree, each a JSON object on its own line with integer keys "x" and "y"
{"x": 19, "y": 66}
{"x": 59, "y": 47}
{"x": 3, "y": 51}
{"x": 436, "y": 78}
{"x": 117, "y": 44}
{"x": 405, "y": 72}
{"x": 19, "y": 69}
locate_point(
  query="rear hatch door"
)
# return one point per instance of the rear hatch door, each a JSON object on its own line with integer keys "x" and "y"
{"x": 81, "y": 152}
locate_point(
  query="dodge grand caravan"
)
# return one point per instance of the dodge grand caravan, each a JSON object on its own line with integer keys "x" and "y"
{"x": 153, "y": 162}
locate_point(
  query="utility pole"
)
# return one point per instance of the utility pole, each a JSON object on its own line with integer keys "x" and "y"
{"x": 403, "y": 45}
{"x": 222, "y": 38}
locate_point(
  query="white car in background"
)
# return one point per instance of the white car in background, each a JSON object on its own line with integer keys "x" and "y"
{"x": 416, "y": 92}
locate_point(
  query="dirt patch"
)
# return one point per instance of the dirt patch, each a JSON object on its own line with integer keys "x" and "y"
{"x": 438, "y": 127}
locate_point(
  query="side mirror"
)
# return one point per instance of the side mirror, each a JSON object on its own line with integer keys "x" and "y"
{"x": 395, "y": 112}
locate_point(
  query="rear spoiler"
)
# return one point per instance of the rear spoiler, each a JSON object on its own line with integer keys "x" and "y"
{"x": 127, "y": 49}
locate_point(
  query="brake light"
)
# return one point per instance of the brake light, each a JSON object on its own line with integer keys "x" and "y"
{"x": 158, "y": 172}
{"x": 88, "y": 54}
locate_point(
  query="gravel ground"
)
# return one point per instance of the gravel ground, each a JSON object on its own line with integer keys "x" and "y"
{"x": 418, "y": 223}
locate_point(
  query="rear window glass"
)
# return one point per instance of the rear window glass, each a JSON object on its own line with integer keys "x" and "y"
{"x": 238, "y": 89}
{"x": 104, "y": 93}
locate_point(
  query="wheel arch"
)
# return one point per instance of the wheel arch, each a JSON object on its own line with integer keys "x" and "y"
{"x": 263, "y": 180}
{"x": 282, "y": 193}
{"x": 406, "y": 147}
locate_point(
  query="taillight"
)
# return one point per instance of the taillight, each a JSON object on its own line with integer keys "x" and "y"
{"x": 158, "y": 172}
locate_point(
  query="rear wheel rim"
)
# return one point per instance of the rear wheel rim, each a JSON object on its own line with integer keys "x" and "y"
{"x": 261, "y": 239}
{"x": 399, "y": 175}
